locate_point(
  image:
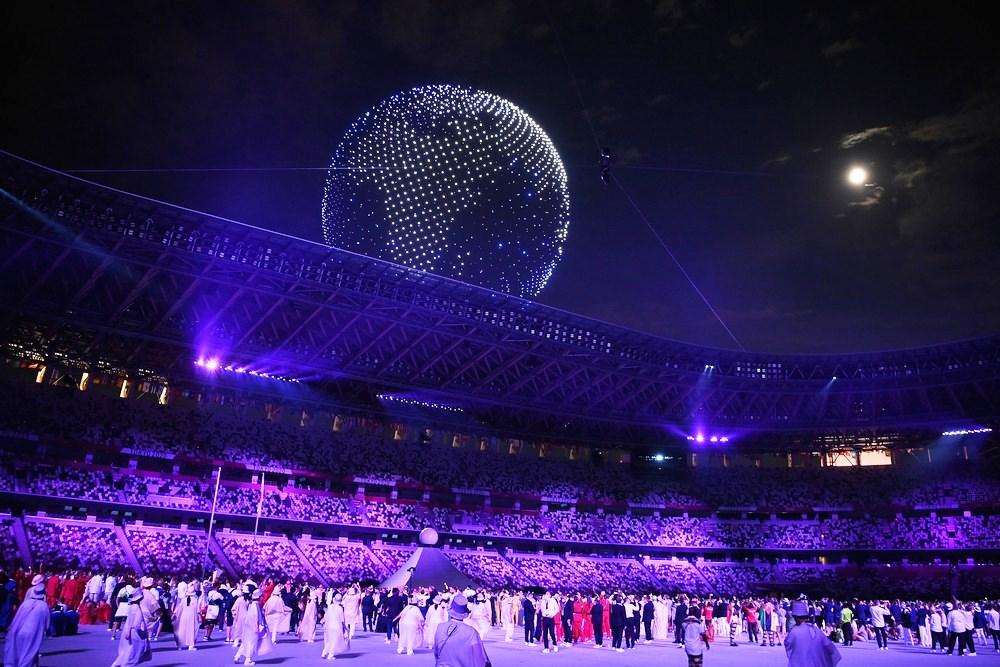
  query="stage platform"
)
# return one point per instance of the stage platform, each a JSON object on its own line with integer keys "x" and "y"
{"x": 93, "y": 648}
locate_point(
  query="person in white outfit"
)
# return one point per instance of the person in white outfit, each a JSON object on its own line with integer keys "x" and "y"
{"x": 411, "y": 625}
{"x": 335, "y": 636}
{"x": 307, "y": 625}
{"x": 352, "y": 609}
{"x": 186, "y": 615}
{"x": 506, "y": 617}
{"x": 437, "y": 613}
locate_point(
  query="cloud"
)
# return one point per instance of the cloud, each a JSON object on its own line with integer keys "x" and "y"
{"x": 873, "y": 197}
{"x": 837, "y": 49}
{"x": 658, "y": 100}
{"x": 908, "y": 173}
{"x": 855, "y": 138}
{"x": 777, "y": 161}
{"x": 743, "y": 36}
{"x": 969, "y": 128}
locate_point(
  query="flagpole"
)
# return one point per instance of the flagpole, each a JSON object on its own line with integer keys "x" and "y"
{"x": 211, "y": 521}
{"x": 256, "y": 523}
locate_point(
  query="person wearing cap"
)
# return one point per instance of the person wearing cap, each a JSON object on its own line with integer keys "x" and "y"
{"x": 410, "y": 622}
{"x": 336, "y": 637}
{"x": 437, "y": 613}
{"x": 255, "y": 640}
{"x": 277, "y": 613}
{"x": 806, "y": 645}
{"x": 241, "y": 600}
{"x": 695, "y": 636}
{"x": 457, "y": 644}
{"x": 134, "y": 647}
{"x": 26, "y": 631}
{"x": 150, "y": 607}
{"x": 186, "y": 615}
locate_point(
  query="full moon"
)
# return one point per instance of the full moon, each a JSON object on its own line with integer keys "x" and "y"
{"x": 857, "y": 176}
{"x": 453, "y": 181}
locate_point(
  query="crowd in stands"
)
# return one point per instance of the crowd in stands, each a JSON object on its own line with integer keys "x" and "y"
{"x": 76, "y": 545}
{"x": 237, "y": 434}
{"x": 930, "y": 532}
{"x": 166, "y": 552}
{"x": 265, "y": 555}
{"x": 73, "y": 545}
{"x": 343, "y": 564}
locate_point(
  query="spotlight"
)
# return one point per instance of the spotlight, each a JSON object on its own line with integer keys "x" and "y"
{"x": 967, "y": 431}
{"x": 699, "y": 438}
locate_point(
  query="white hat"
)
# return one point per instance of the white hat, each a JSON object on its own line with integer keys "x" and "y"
{"x": 147, "y": 582}
{"x": 37, "y": 579}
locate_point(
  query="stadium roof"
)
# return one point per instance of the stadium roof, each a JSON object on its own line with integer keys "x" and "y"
{"x": 124, "y": 281}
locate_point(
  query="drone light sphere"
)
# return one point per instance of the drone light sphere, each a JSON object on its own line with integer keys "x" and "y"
{"x": 454, "y": 181}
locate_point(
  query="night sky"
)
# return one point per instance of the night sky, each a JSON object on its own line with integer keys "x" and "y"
{"x": 732, "y": 126}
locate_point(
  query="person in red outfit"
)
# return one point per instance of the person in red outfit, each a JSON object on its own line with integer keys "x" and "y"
{"x": 586, "y": 627}
{"x": 577, "y": 619}
{"x": 707, "y": 612}
{"x": 606, "y": 621}
{"x": 52, "y": 590}
{"x": 87, "y": 611}
{"x": 68, "y": 594}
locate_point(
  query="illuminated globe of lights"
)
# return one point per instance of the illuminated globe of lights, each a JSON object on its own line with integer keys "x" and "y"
{"x": 453, "y": 181}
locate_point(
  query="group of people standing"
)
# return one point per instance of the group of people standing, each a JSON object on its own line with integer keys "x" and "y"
{"x": 252, "y": 617}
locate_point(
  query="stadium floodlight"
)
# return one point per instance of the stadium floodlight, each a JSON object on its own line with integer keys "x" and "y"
{"x": 213, "y": 365}
{"x": 967, "y": 431}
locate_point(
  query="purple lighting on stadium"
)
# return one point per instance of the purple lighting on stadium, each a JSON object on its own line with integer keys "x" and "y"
{"x": 212, "y": 365}
{"x": 208, "y": 364}
{"x": 701, "y": 438}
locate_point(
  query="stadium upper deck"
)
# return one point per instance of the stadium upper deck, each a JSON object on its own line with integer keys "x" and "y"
{"x": 102, "y": 278}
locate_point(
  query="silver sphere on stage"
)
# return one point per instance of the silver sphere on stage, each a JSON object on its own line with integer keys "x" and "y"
{"x": 428, "y": 537}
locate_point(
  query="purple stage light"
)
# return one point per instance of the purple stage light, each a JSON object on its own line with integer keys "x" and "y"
{"x": 699, "y": 438}
{"x": 213, "y": 365}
